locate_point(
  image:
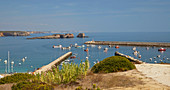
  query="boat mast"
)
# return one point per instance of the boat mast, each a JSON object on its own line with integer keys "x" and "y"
{"x": 8, "y": 63}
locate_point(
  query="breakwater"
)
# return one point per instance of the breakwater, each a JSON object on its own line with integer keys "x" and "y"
{"x": 151, "y": 44}
{"x": 131, "y": 59}
{"x": 52, "y": 64}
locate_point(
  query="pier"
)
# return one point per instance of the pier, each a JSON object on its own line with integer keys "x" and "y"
{"x": 52, "y": 64}
{"x": 150, "y": 44}
{"x": 131, "y": 59}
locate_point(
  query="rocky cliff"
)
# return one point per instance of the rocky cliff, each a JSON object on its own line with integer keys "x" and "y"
{"x": 1, "y": 34}
{"x": 81, "y": 35}
{"x": 54, "y": 36}
{"x": 14, "y": 33}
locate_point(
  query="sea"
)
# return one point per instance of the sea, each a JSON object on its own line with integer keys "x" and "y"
{"x": 39, "y": 52}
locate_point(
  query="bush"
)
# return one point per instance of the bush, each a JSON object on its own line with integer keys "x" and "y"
{"x": 113, "y": 64}
{"x": 16, "y": 78}
{"x": 31, "y": 86}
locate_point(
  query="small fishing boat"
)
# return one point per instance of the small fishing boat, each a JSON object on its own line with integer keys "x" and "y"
{"x": 161, "y": 49}
{"x": 87, "y": 45}
{"x": 58, "y": 46}
{"x": 75, "y": 44}
{"x": 83, "y": 46}
{"x": 134, "y": 49}
{"x": 147, "y": 48}
{"x": 117, "y": 46}
{"x": 93, "y": 45}
{"x": 67, "y": 60}
{"x": 72, "y": 57}
{"x": 66, "y": 48}
{"x": 23, "y": 60}
{"x": 158, "y": 56}
{"x": 78, "y": 46}
{"x": 139, "y": 56}
{"x": 106, "y": 48}
{"x": 99, "y": 47}
{"x": 86, "y": 50}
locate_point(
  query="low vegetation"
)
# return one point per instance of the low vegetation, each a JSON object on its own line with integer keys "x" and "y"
{"x": 16, "y": 78}
{"x": 68, "y": 73}
{"x": 113, "y": 64}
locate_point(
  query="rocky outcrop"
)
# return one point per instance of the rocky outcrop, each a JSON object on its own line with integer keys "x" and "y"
{"x": 55, "y": 36}
{"x": 81, "y": 35}
{"x": 14, "y": 33}
{"x": 1, "y": 34}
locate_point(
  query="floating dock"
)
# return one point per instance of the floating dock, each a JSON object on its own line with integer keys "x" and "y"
{"x": 131, "y": 59}
{"x": 52, "y": 64}
{"x": 150, "y": 44}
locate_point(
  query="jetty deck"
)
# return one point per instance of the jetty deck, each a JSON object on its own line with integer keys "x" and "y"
{"x": 55, "y": 62}
{"x": 151, "y": 44}
{"x": 131, "y": 59}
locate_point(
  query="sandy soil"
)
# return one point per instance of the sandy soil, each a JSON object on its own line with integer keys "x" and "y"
{"x": 129, "y": 80}
{"x": 158, "y": 72}
{"x": 145, "y": 77}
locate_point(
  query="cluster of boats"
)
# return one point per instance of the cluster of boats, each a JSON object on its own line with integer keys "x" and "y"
{"x": 147, "y": 48}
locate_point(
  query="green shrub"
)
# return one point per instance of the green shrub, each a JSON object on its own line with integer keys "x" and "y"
{"x": 113, "y": 64}
{"x": 32, "y": 86}
{"x": 16, "y": 78}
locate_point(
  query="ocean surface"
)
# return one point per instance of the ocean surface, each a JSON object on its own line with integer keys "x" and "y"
{"x": 39, "y": 52}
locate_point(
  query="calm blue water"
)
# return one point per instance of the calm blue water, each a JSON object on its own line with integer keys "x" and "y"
{"x": 39, "y": 52}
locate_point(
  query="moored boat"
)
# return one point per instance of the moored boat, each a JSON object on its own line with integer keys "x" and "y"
{"x": 117, "y": 46}
{"x": 58, "y": 46}
{"x": 86, "y": 50}
{"x": 72, "y": 57}
{"x": 161, "y": 49}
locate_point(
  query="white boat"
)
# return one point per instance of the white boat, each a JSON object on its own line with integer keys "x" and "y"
{"x": 106, "y": 48}
{"x": 134, "y": 49}
{"x": 58, "y": 46}
{"x": 99, "y": 47}
{"x": 83, "y": 46}
{"x": 75, "y": 44}
{"x": 66, "y": 48}
{"x": 23, "y": 60}
{"x": 93, "y": 45}
{"x": 88, "y": 45}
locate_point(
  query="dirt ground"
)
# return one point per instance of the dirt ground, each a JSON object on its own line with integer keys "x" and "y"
{"x": 129, "y": 80}
{"x": 145, "y": 77}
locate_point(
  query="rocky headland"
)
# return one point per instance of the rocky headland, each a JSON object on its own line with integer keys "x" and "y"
{"x": 54, "y": 36}
{"x": 14, "y": 33}
{"x": 82, "y": 35}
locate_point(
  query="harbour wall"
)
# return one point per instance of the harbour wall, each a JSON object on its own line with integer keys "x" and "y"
{"x": 151, "y": 44}
{"x": 131, "y": 59}
{"x": 52, "y": 64}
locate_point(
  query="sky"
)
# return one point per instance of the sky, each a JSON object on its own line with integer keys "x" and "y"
{"x": 85, "y": 15}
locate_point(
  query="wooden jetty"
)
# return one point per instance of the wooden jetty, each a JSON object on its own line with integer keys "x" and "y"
{"x": 151, "y": 44}
{"x": 52, "y": 64}
{"x": 132, "y": 59}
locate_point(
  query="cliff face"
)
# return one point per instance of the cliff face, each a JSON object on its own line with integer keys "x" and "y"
{"x": 54, "y": 36}
{"x": 1, "y": 34}
{"x": 81, "y": 35}
{"x": 16, "y": 34}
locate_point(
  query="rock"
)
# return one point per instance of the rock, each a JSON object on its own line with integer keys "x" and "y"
{"x": 55, "y": 36}
{"x": 1, "y": 34}
{"x": 15, "y": 33}
{"x": 81, "y": 35}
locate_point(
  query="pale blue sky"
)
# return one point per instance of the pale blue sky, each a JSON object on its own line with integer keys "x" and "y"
{"x": 86, "y": 15}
